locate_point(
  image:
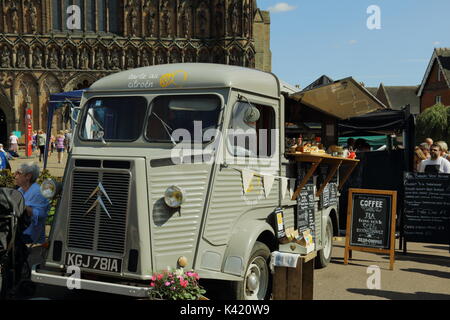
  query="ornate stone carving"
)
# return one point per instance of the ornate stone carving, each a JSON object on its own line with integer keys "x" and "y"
{"x": 21, "y": 58}
{"x": 37, "y": 58}
{"x": 84, "y": 59}
{"x": 115, "y": 59}
{"x": 53, "y": 59}
{"x": 175, "y": 56}
{"x": 161, "y": 57}
{"x": 150, "y": 22}
{"x": 146, "y": 58}
{"x": 166, "y": 19}
{"x": 14, "y": 16}
{"x": 131, "y": 59}
{"x": 184, "y": 20}
{"x": 234, "y": 19}
{"x": 32, "y": 17}
{"x": 99, "y": 60}
{"x": 189, "y": 56}
{"x": 6, "y": 57}
{"x": 69, "y": 58}
{"x": 6, "y": 80}
{"x": 248, "y": 19}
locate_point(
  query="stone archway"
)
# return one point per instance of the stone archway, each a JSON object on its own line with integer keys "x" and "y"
{"x": 6, "y": 119}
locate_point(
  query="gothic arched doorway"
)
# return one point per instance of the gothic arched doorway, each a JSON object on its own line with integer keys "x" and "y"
{"x": 3, "y": 129}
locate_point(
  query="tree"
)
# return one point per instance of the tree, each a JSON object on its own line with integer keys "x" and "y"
{"x": 434, "y": 123}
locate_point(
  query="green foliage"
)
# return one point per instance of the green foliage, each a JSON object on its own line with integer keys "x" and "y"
{"x": 434, "y": 123}
{"x": 178, "y": 285}
{"x": 7, "y": 181}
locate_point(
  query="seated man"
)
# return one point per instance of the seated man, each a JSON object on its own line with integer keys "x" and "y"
{"x": 37, "y": 206}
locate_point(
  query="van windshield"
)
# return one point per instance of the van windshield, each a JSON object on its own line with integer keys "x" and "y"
{"x": 185, "y": 117}
{"x": 114, "y": 118}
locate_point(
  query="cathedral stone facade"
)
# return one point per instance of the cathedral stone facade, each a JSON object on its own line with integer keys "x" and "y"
{"x": 49, "y": 46}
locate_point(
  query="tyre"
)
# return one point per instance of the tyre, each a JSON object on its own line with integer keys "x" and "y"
{"x": 257, "y": 284}
{"x": 2, "y": 289}
{"x": 324, "y": 255}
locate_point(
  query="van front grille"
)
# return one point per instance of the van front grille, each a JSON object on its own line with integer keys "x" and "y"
{"x": 97, "y": 229}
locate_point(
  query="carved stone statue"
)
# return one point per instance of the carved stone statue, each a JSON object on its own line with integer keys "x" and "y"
{"x": 134, "y": 22}
{"x": 146, "y": 59}
{"x": 37, "y": 58}
{"x": 166, "y": 29}
{"x": 69, "y": 59}
{"x": 130, "y": 60}
{"x": 189, "y": 56}
{"x": 32, "y": 17}
{"x": 161, "y": 57}
{"x": 247, "y": 19}
{"x": 6, "y": 59}
{"x": 150, "y": 23}
{"x": 21, "y": 58}
{"x": 115, "y": 60}
{"x": 14, "y": 17}
{"x": 175, "y": 56}
{"x": 234, "y": 20}
{"x": 84, "y": 59}
{"x": 53, "y": 59}
{"x": 100, "y": 60}
{"x": 185, "y": 21}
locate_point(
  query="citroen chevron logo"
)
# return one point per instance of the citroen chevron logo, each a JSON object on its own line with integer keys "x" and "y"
{"x": 99, "y": 190}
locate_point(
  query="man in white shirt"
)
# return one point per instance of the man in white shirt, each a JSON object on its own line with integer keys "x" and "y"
{"x": 13, "y": 142}
{"x": 436, "y": 164}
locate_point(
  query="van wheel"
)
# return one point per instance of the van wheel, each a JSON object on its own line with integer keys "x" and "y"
{"x": 257, "y": 278}
{"x": 324, "y": 256}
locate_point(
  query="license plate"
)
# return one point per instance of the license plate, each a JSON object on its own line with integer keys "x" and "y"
{"x": 94, "y": 262}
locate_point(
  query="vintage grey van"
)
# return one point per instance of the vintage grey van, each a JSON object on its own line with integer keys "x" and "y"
{"x": 134, "y": 202}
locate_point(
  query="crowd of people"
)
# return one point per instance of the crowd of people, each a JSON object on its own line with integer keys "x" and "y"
{"x": 432, "y": 157}
{"x": 60, "y": 143}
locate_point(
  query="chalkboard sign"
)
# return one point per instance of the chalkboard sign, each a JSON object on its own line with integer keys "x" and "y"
{"x": 427, "y": 208}
{"x": 371, "y": 221}
{"x": 306, "y": 210}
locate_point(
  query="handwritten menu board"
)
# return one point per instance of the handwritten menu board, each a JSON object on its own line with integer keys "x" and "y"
{"x": 371, "y": 217}
{"x": 427, "y": 208}
{"x": 306, "y": 210}
{"x": 371, "y": 222}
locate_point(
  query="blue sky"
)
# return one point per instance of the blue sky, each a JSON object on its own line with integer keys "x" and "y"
{"x": 312, "y": 38}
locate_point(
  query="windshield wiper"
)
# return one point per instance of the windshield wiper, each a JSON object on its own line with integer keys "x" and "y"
{"x": 99, "y": 125}
{"x": 166, "y": 127}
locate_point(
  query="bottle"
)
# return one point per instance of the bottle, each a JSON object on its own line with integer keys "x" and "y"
{"x": 300, "y": 141}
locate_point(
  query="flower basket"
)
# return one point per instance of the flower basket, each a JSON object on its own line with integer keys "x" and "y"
{"x": 177, "y": 285}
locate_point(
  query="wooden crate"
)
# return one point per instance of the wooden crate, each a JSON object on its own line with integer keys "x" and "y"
{"x": 295, "y": 283}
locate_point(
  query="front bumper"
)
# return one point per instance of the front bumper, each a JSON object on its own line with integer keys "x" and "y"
{"x": 38, "y": 276}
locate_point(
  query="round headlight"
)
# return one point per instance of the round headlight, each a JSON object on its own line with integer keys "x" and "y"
{"x": 174, "y": 197}
{"x": 48, "y": 188}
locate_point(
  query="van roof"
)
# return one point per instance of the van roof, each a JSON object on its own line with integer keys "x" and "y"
{"x": 192, "y": 76}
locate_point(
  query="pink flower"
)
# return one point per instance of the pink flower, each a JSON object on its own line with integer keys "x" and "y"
{"x": 184, "y": 283}
{"x": 160, "y": 276}
{"x": 153, "y": 278}
{"x": 167, "y": 283}
{"x": 152, "y": 284}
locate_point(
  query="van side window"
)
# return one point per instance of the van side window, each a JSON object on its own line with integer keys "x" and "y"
{"x": 252, "y": 131}
{"x": 182, "y": 117}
